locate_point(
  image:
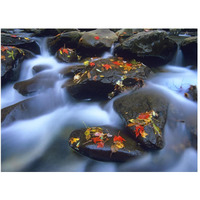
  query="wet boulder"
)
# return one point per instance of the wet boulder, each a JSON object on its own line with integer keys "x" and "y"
{"x": 96, "y": 42}
{"x": 39, "y": 68}
{"x": 69, "y": 39}
{"x": 144, "y": 113}
{"x": 66, "y": 55}
{"x": 11, "y": 59}
{"x": 105, "y": 144}
{"x": 37, "y": 84}
{"x": 153, "y": 48}
{"x": 191, "y": 93}
{"x": 189, "y": 49}
{"x": 20, "y": 42}
{"x": 106, "y": 78}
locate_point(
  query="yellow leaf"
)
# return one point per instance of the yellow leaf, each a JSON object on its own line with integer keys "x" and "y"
{"x": 61, "y": 52}
{"x": 74, "y": 140}
{"x": 26, "y": 38}
{"x": 86, "y": 63}
{"x": 119, "y": 144}
{"x": 144, "y": 134}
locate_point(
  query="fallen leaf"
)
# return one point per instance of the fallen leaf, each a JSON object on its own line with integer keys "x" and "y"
{"x": 86, "y": 63}
{"x": 3, "y": 57}
{"x": 92, "y": 64}
{"x": 114, "y": 148}
{"x": 116, "y": 63}
{"x": 144, "y": 116}
{"x": 13, "y": 36}
{"x": 26, "y": 38}
{"x": 118, "y": 138}
{"x": 94, "y": 78}
{"x": 96, "y": 139}
{"x": 96, "y": 37}
{"x": 100, "y": 145}
{"x": 88, "y": 75}
{"x": 107, "y": 66}
{"x": 65, "y": 51}
{"x": 119, "y": 145}
{"x": 138, "y": 130}
{"x": 74, "y": 140}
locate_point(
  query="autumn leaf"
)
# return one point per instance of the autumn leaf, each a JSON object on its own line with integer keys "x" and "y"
{"x": 94, "y": 78}
{"x": 92, "y": 64}
{"x": 65, "y": 51}
{"x": 144, "y": 116}
{"x": 3, "y": 57}
{"x": 96, "y": 37}
{"x": 88, "y": 75}
{"x": 96, "y": 139}
{"x": 107, "y": 66}
{"x": 114, "y": 148}
{"x": 138, "y": 130}
{"x": 86, "y": 63}
{"x": 156, "y": 129}
{"x": 74, "y": 140}
{"x": 116, "y": 63}
{"x": 100, "y": 145}
{"x": 13, "y": 36}
{"x": 11, "y": 54}
{"x": 118, "y": 138}
{"x": 4, "y": 48}
{"x": 26, "y": 38}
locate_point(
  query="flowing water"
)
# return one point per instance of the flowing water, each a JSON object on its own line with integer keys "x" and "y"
{"x": 40, "y": 143}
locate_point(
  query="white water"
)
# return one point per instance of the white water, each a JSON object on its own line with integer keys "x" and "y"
{"x": 25, "y": 141}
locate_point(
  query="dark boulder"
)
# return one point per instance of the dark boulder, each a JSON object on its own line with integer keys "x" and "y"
{"x": 11, "y": 59}
{"x": 189, "y": 49}
{"x": 37, "y": 84}
{"x": 105, "y": 144}
{"x": 20, "y": 42}
{"x": 153, "y": 48}
{"x": 144, "y": 113}
{"x": 106, "y": 78}
{"x": 69, "y": 39}
{"x": 66, "y": 55}
{"x": 96, "y": 42}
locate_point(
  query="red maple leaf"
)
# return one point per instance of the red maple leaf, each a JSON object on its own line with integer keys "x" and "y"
{"x": 100, "y": 145}
{"x": 116, "y": 63}
{"x": 128, "y": 64}
{"x": 96, "y": 37}
{"x": 65, "y": 51}
{"x": 138, "y": 130}
{"x": 4, "y": 48}
{"x": 96, "y": 139}
{"x": 144, "y": 116}
{"x": 13, "y": 36}
{"x": 118, "y": 138}
{"x": 92, "y": 64}
{"x": 106, "y": 66}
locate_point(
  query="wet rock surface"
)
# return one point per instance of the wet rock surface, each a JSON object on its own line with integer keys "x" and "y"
{"x": 153, "y": 48}
{"x": 94, "y": 43}
{"x": 69, "y": 39}
{"x": 115, "y": 145}
{"x": 66, "y": 55}
{"x": 20, "y": 42}
{"x": 189, "y": 49}
{"x": 39, "y": 68}
{"x": 136, "y": 109}
{"x": 11, "y": 59}
{"x": 106, "y": 78}
{"x": 38, "y": 83}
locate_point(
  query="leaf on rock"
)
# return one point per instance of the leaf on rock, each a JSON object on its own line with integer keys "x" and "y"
{"x": 3, "y": 57}
{"x": 107, "y": 66}
{"x": 118, "y": 138}
{"x": 96, "y": 139}
{"x": 96, "y": 37}
{"x": 92, "y": 64}
{"x": 100, "y": 145}
{"x": 138, "y": 130}
{"x": 74, "y": 140}
{"x": 65, "y": 51}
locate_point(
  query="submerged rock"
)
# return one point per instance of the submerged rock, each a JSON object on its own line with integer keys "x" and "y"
{"x": 105, "y": 144}
{"x": 69, "y": 39}
{"x": 20, "y": 42}
{"x": 106, "y": 78}
{"x": 11, "y": 59}
{"x": 38, "y": 83}
{"x": 144, "y": 113}
{"x": 153, "y": 48}
{"x": 96, "y": 42}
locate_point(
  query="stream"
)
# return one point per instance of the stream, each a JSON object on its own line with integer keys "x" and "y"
{"x": 41, "y": 143}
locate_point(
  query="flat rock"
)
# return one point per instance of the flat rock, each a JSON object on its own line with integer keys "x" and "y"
{"x": 106, "y": 78}
{"x": 101, "y": 150}
{"x": 20, "y": 42}
{"x": 142, "y": 104}
{"x": 96, "y": 42}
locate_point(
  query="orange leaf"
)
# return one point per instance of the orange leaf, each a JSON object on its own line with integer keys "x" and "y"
{"x": 100, "y": 145}
{"x": 65, "y": 51}
{"x": 3, "y": 57}
{"x": 96, "y": 37}
{"x": 106, "y": 66}
{"x": 96, "y": 139}
{"x": 92, "y": 64}
{"x": 118, "y": 138}
{"x": 4, "y": 48}
{"x": 138, "y": 130}
{"x": 116, "y": 63}
{"x": 144, "y": 116}
{"x": 13, "y": 36}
